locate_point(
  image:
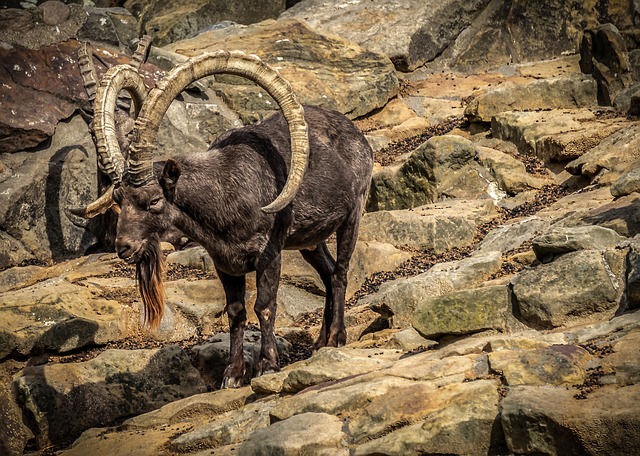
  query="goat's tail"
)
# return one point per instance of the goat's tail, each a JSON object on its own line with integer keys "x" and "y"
{"x": 149, "y": 275}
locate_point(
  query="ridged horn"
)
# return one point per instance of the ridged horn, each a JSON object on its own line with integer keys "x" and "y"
{"x": 88, "y": 70}
{"x": 142, "y": 52}
{"x": 112, "y": 161}
{"x": 238, "y": 63}
{"x": 116, "y": 79}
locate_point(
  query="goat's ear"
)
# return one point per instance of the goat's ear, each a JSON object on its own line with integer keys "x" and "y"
{"x": 169, "y": 179}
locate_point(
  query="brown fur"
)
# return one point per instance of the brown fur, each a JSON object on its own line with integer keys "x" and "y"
{"x": 149, "y": 275}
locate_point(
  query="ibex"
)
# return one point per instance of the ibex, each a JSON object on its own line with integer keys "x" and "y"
{"x": 289, "y": 182}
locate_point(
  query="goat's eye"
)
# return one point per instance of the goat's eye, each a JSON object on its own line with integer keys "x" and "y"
{"x": 155, "y": 205}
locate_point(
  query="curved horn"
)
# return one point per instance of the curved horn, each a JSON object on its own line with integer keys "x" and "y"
{"x": 88, "y": 70}
{"x": 120, "y": 77}
{"x": 117, "y": 78}
{"x": 142, "y": 52}
{"x": 237, "y": 63}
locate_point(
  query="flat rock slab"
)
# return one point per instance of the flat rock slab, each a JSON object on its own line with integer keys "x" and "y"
{"x": 556, "y": 135}
{"x": 611, "y": 158}
{"x": 307, "y": 433}
{"x": 462, "y": 312}
{"x": 58, "y": 316}
{"x": 437, "y": 227}
{"x": 324, "y": 71}
{"x": 460, "y": 417}
{"x": 571, "y": 92}
{"x": 398, "y": 299}
{"x": 558, "y": 365}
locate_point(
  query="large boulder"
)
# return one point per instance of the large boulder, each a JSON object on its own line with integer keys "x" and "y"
{"x": 436, "y": 227}
{"x": 549, "y": 420}
{"x": 520, "y": 31}
{"x": 442, "y": 166}
{"x": 66, "y": 399}
{"x": 463, "y": 312}
{"x": 603, "y": 54}
{"x": 411, "y": 32}
{"x": 557, "y": 135}
{"x": 323, "y": 70}
{"x": 397, "y": 300}
{"x": 169, "y": 21}
{"x": 572, "y": 288}
{"x": 611, "y": 159}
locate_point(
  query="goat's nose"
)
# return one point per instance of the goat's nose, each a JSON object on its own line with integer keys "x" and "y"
{"x": 123, "y": 248}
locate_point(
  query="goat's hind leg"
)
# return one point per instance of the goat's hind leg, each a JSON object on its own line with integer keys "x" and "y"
{"x": 234, "y": 287}
{"x": 346, "y": 238}
{"x": 322, "y": 261}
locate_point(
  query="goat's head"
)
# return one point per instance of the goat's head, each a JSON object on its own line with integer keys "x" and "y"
{"x": 143, "y": 202}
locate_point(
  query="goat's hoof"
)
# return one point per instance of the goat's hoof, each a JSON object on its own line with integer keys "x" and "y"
{"x": 232, "y": 382}
{"x": 266, "y": 368}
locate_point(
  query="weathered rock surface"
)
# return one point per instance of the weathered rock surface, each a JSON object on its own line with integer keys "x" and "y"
{"x": 66, "y": 400}
{"x": 558, "y": 135}
{"x": 437, "y": 227}
{"x": 514, "y": 330}
{"x": 571, "y": 92}
{"x": 575, "y": 286}
{"x": 323, "y": 70}
{"x": 603, "y": 54}
{"x": 169, "y": 22}
{"x": 428, "y": 27}
{"x": 398, "y": 299}
{"x": 463, "y": 312}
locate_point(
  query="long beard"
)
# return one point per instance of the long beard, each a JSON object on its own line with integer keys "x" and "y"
{"x": 149, "y": 275}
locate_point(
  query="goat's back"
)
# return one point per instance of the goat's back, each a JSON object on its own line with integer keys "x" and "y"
{"x": 247, "y": 167}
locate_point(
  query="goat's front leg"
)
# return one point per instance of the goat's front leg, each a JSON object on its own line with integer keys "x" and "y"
{"x": 234, "y": 287}
{"x": 267, "y": 280}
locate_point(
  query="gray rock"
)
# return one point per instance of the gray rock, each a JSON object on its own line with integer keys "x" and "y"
{"x": 603, "y": 53}
{"x": 437, "y": 227}
{"x": 114, "y": 27}
{"x": 442, "y": 167}
{"x": 569, "y": 92}
{"x": 462, "y": 423}
{"x": 513, "y": 235}
{"x": 633, "y": 275}
{"x": 559, "y": 240}
{"x": 211, "y": 358}
{"x": 229, "y": 428}
{"x": 557, "y": 365}
{"x": 610, "y": 159}
{"x": 556, "y": 135}
{"x": 397, "y": 300}
{"x": 170, "y": 22}
{"x": 574, "y": 287}
{"x": 66, "y": 399}
{"x": 509, "y": 173}
{"x": 463, "y": 312}
{"x": 548, "y": 420}
{"x": 307, "y": 433}
{"x": 505, "y": 33}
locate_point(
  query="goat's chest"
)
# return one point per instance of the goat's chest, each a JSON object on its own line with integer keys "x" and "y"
{"x": 232, "y": 257}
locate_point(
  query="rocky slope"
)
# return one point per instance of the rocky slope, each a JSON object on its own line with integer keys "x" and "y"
{"x": 493, "y": 294}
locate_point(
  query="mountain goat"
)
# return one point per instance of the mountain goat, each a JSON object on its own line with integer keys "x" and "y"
{"x": 289, "y": 182}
